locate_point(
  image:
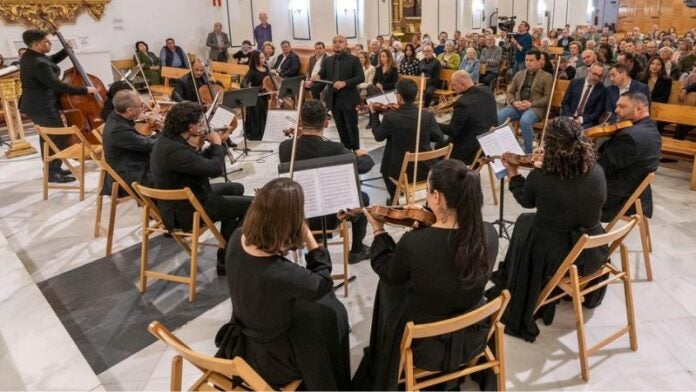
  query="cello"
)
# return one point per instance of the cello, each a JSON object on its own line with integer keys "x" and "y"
{"x": 83, "y": 111}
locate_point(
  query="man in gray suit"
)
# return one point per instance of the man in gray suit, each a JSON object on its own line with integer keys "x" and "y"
{"x": 218, "y": 42}
{"x": 527, "y": 96}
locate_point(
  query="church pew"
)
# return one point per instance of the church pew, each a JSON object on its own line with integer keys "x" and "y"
{"x": 679, "y": 149}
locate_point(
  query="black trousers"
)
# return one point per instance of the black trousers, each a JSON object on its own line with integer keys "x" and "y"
{"x": 230, "y": 209}
{"x": 391, "y": 187}
{"x": 347, "y": 125}
{"x": 316, "y": 90}
{"x": 488, "y": 78}
{"x": 428, "y": 95}
{"x": 682, "y": 131}
{"x": 52, "y": 120}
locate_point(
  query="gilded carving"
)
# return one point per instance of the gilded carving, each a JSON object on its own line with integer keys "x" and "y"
{"x": 29, "y": 13}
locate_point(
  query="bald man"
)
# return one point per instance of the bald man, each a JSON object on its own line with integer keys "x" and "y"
{"x": 474, "y": 113}
{"x": 589, "y": 58}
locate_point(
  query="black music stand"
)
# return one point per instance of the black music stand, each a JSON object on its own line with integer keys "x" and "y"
{"x": 242, "y": 98}
{"x": 290, "y": 87}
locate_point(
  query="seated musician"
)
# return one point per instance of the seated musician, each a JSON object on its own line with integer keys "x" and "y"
{"x": 541, "y": 240}
{"x": 398, "y": 128}
{"x": 429, "y": 66}
{"x": 431, "y": 274}
{"x": 630, "y": 155}
{"x": 287, "y": 64}
{"x": 185, "y": 89}
{"x": 115, "y": 87}
{"x": 171, "y": 55}
{"x": 386, "y": 74}
{"x": 584, "y": 98}
{"x": 312, "y": 144}
{"x": 527, "y": 96}
{"x": 126, "y": 150}
{"x": 255, "y": 123}
{"x": 286, "y": 321}
{"x": 177, "y": 161}
{"x": 621, "y": 83}
{"x": 474, "y": 113}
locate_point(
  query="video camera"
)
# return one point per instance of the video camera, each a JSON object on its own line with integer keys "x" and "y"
{"x": 507, "y": 23}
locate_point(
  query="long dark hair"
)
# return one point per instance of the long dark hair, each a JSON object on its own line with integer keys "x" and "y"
{"x": 255, "y": 59}
{"x": 646, "y": 72}
{"x": 461, "y": 188}
{"x": 567, "y": 152}
{"x": 413, "y": 52}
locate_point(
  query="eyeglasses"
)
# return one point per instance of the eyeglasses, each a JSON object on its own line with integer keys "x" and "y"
{"x": 597, "y": 75}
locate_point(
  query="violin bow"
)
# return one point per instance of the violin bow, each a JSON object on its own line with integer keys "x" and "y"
{"x": 548, "y": 107}
{"x": 418, "y": 128}
{"x": 300, "y": 101}
{"x": 147, "y": 84}
{"x": 123, "y": 77}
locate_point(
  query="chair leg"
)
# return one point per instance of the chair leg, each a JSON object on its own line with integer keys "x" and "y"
{"x": 500, "y": 354}
{"x": 144, "y": 250}
{"x": 410, "y": 377}
{"x": 194, "y": 257}
{"x": 628, "y": 294}
{"x": 644, "y": 240}
{"x": 647, "y": 232}
{"x": 346, "y": 245}
{"x": 100, "y": 201}
{"x": 579, "y": 322}
{"x": 177, "y": 363}
{"x": 494, "y": 187}
{"x": 112, "y": 219}
{"x": 82, "y": 175}
{"x": 47, "y": 161}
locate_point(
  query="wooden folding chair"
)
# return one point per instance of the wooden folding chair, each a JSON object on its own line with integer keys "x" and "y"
{"x": 403, "y": 185}
{"x": 218, "y": 373}
{"x": 643, "y": 223}
{"x": 477, "y": 164}
{"x": 568, "y": 281}
{"x": 446, "y": 93}
{"x": 344, "y": 240}
{"x": 416, "y": 379}
{"x": 80, "y": 151}
{"x": 189, "y": 240}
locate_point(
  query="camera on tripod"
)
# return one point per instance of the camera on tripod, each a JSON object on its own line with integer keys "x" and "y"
{"x": 507, "y": 23}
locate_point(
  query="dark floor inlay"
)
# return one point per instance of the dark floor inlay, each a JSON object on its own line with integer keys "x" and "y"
{"x": 100, "y": 305}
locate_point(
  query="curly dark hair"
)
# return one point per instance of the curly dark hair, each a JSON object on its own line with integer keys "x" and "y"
{"x": 147, "y": 48}
{"x": 181, "y": 116}
{"x": 567, "y": 152}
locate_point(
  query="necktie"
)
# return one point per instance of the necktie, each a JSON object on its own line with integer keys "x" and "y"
{"x": 583, "y": 101}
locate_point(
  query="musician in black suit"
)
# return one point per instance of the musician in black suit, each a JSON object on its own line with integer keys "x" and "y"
{"x": 316, "y": 63}
{"x": 630, "y": 155}
{"x": 622, "y": 83}
{"x": 287, "y": 64}
{"x": 345, "y": 71}
{"x": 40, "y": 90}
{"x": 474, "y": 113}
{"x": 311, "y": 145}
{"x": 184, "y": 87}
{"x": 398, "y": 128}
{"x": 176, "y": 162}
{"x": 126, "y": 150}
{"x": 584, "y": 99}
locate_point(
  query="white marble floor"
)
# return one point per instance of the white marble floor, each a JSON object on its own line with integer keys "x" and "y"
{"x": 41, "y": 239}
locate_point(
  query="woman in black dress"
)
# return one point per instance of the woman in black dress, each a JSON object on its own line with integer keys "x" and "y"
{"x": 568, "y": 193}
{"x": 255, "y": 119}
{"x": 386, "y": 74}
{"x": 286, "y": 322}
{"x": 657, "y": 80}
{"x": 432, "y": 274}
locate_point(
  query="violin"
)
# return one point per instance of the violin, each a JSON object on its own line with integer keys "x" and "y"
{"x": 529, "y": 161}
{"x": 445, "y": 105}
{"x": 379, "y": 107}
{"x": 606, "y": 129}
{"x": 409, "y": 216}
{"x": 149, "y": 121}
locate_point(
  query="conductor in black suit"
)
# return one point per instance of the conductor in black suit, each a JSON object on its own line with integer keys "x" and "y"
{"x": 345, "y": 71}
{"x": 399, "y": 128}
{"x": 622, "y": 83}
{"x": 474, "y": 113}
{"x": 630, "y": 155}
{"x": 177, "y": 162}
{"x": 40, "y": 89}
{"x": 584, "y": 99}
{"x": 126, "y": 150}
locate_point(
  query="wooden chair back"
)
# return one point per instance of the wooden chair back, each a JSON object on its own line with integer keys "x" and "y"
{"x": 670, "y": 113}
{"x": 556, "y": 51}
{"x": 559, "y": 91}
{"x": 217, "y": 372}
{"x": 404, "y": 186}
{"x": 674, "y": 93}
{"x": 632, "y": 200}
{"x": 304, "y": 65}
{"x": 492, "y": 311}
{"x": 169, "y": 73}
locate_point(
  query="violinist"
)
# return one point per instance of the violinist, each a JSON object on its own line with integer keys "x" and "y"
{"x": 178, "y": 161}
{"x": 255, "y": 123}
{"x": 40, "y": 90}
{"x": 431, "y": 274}
{"x": 185, "y": 89}
{"x": 629, "y": 155}
{"x": 312, "y": 144}
{"x": 474, "y": 113}
{"x": 125, "y": 149}
{"x": 398, "y": 128}
{"x": 386, "y": 73}
{"x": 568, "y": 192}
{"x": 584, "y": 98}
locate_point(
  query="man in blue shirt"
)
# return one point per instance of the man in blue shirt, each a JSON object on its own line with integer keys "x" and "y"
{"x": 522, "y": 41}
{"x": 262, "y": 32}
{"x": 172, "y": 55}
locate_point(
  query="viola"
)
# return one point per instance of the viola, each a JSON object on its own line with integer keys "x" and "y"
{"x": 409, "y": 216}
{"x": 150, "y": 121}
{"x": 606, "y": 129}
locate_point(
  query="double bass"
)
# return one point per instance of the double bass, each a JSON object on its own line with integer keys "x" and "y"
{"x": 83, "y": 111}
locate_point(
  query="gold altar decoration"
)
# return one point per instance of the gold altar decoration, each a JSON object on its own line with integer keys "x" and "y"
{"x": 406, "y": 18}
{"x": 29, "y": 12}
{"x": 10, "y": 91}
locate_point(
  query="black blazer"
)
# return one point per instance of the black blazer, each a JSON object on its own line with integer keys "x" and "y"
{"x": 398, "y": 127}
{"x": 431, "y": 68}
{"x": 310, "y": 147}
{"x": 343, "y": 67}
{"x": 40, "y": 84}
{"x": 184, "y": 90}
{"x": 627, "y": 157}
{"x": 594, "y": 108}
{"x": 612, "y": 96}
{"x": 389, "y": 80}
{"x": 290, "y": 67}
{"x": 174, "y": 165}
{"x": 474, "y": 113}
{"x": 126, "y": 151}
{"x": 661, "y": 90}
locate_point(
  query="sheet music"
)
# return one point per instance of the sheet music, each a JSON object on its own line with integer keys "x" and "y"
{"x": 276, "y": 122}
{"x": 222, "y": 118}
{"x": 328, "y": 189}
{"x": 497, "y": 142}
{"x": 386, "y": 98}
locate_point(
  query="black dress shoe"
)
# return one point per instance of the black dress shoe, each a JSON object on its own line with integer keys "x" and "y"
{"x": 60, "y": 178}
{"x": 65, "y": 172}
{"x": 230, "y": 144}
{"x": 362, "y": 254}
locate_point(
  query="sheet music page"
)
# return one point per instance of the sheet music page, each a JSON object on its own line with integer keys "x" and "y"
{"x": 496, "y": 142}
{"x": 385, "y": 98}
{"x": 312, "y": 193}
{"x": 508, "y": 141}
{"x": 222, "y": 118}
{"x": 276, "y": 121}
{"x": 339, "y": 189}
